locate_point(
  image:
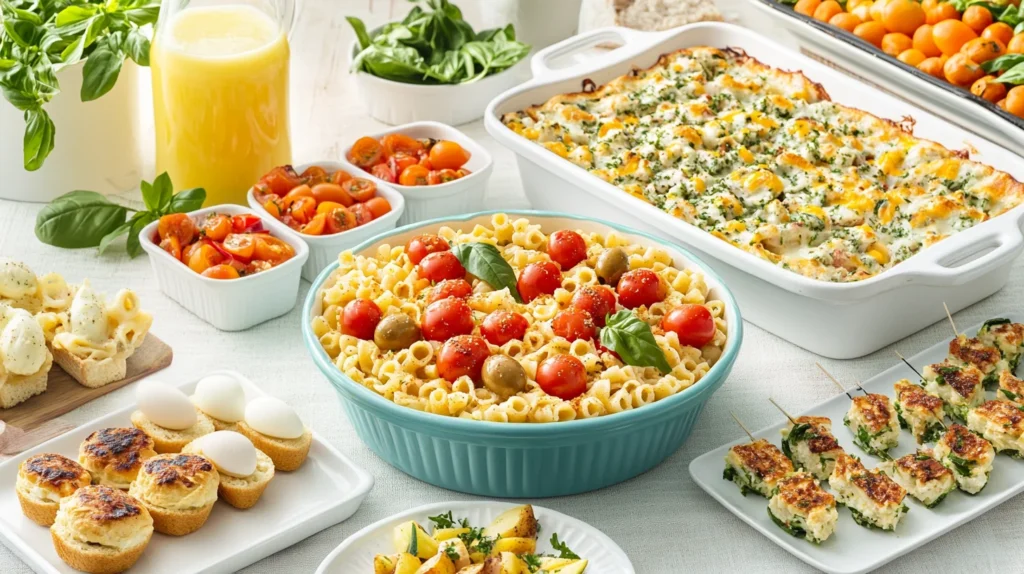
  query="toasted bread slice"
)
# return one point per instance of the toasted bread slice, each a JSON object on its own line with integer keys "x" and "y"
{"x": 16, "y": 389}
{"x": 90, "y": 373}
{"x": 178, "y": 522}
{"x": 245, "y": 492}
{"x": 287, "y": 454}
{"x": 93, "y": 558}
{"x": 42, "y": 512}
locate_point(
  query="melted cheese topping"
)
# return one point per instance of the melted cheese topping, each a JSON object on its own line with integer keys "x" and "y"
{"x": 762, "y": 159}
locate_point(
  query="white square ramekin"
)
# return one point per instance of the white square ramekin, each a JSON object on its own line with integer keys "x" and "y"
{"x": 422, "y": 202}
{"x": 231, "y": 304}
{"x": 324, "y": 249}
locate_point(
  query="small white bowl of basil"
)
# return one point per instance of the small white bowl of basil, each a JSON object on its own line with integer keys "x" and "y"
{"x": 432, "y": 66}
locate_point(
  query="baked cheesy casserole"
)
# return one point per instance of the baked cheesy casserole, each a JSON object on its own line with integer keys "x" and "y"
{"x": 762, "y": 159}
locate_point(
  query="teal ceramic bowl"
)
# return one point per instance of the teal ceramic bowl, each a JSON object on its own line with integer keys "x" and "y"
{"x": 525, "y": 460}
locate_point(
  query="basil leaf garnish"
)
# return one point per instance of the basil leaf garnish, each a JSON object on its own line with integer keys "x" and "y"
{"x": 485, "y": 262}
{"x": 633, "y": 341}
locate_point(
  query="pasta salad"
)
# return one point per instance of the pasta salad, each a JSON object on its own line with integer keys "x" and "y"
{"x": 506, "y": 323}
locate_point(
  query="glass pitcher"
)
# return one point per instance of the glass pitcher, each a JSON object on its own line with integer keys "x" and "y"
{"x": 220, "y": 93}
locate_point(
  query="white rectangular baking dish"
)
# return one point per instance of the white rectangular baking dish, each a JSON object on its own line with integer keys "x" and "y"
{"x": 848, "y": 52}
{"x": 837, "y": 320}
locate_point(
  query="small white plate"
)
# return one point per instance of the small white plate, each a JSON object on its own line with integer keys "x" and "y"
{"x": 355, "y": 555}
{"x": 853, "y": 549}
{"x": 327, "y": 489}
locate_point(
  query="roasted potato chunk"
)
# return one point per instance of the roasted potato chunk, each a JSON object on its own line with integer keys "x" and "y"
{"x": 439, "y": 564}
{"x": 517, "y": 522}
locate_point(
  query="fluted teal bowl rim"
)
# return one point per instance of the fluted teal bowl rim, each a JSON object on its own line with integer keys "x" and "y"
{"x": 474, "y": 431}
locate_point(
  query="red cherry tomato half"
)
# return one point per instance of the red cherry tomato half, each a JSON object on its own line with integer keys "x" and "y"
{"x": 562, "y": 376}
{"x": 567, "y": 248}
{"x": 385, "y": 172}
{"x": 447, "y": 318}
{"x": 640, "y": 287}
{"x": 450, "y": 288}
{"x": 437, "y": 267}
{"x": 420, "y": 247}
{"x": 693, "y": 324}
{"x": 246, "y": 222}
{"x": 281, "y": 180}
{"x": 462, "y": 356}
{"x": 572, "y": 324}
{"x": 501, "y": 327}
{"x": 359, "y": 318}
{"x": 366, "y": 152}
{"x": 598, "y": 300}
{"x": 538, "y": 279}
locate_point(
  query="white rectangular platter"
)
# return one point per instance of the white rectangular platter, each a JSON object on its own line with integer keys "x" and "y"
{"x": 853, "y": 549}
{"x": 327, "y": 489}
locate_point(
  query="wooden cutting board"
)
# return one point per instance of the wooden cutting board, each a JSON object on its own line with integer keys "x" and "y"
{"x": 28, "y": 424}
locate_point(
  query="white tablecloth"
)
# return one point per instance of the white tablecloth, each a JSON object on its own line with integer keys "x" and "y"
{"x": 662, "y": 520}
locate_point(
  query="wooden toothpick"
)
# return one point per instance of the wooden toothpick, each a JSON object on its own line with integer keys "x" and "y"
{"x": 907, "y": 363}
{"x": 737, "y": 419}
{"x": 791, "y": 419}
{"x": 856, "y": 382}
{"x": 956, "y": 332}
{"x": 833, "y": 379}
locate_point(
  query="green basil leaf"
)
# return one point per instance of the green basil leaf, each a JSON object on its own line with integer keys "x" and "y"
{"x": 634, "y": 342}
{"x": 164, "y": 192}
{"x": 1003, "y": 63}
{"x": 100, "y": 72}
{"x": 113, "y": 235}
{"x": 136, "y": 45}
{"x": 20, "y": 32}
{"x": 142, "y": 15}
{"x": 30, "y": 17}
{"x": 73, "y": 14}
{"x": 360, "y": 30}
{"x": 485, "y": 262}
{"x": 141, "y": 220}
{"x": 38, "y": 141}
{"x": 1014, "y": 75}
{"x": 78, "y": 219}
{"x": 150, "y": 195}
{"x": 187, "y": 200}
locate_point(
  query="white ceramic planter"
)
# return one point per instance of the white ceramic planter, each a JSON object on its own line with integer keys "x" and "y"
{"x": 96, "y": 143}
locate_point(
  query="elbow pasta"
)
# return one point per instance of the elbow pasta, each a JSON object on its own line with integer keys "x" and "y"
{"x": 409, "y": 376}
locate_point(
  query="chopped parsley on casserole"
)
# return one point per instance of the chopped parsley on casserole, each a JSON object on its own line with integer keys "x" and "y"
{"x": 762, "y": 159}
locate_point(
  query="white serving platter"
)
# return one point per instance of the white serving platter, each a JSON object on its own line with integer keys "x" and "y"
{"x": 853, "y": 549}
{"x": 327, "y": 489}
{"x": 356, "y": 553}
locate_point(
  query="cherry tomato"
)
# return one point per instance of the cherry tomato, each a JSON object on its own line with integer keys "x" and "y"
{"x": 339, "y": 177}
{"x": 425, "y": 162}
{"x": 294, "y": 195}
{"x": 240, "y": 245}
{"x": 597, "y": 300}
{"x": 693, "y": 324}
{"x": 272, "y": 203}
{"x": 366, "y": 152}
{"x": 378, "y": 206}
{"x": 217, "y": 227}
{"x": 314, "y": 175}
{"x": 281, "y": 180}
{"x": 177, "y": 225}
{"x": 203, "y": 257}
{"x": 640, "y": 287}
{"x": 332, "y": 192}
{"x": 187, "y": 252}
{"x": 562, "y": 376}
{"x": 360, "y": 189}
{"x": 399, "y": 143}
{"x": 567, "y": 248}
{"x": 272, "y": 249}
{"x": 572, "y": 324}
{"x": 450, "y": 288}
{"x": 438, "y": 177}
{"x": 171, "y": 245}
{"x": 437, "y": 267}
{"x": 326, "y": 207}
{"x": 363, "y": 213}
{"x": 501, "y": 327}
{"x": 415, "y": 175}
{"x": 419, "y": 247}
{"x": 360, "y": 318}
{"x": 402, "y": 160}
{"x": 341, "y": 219}
{"x": 385, "y": 172}
{"x": 246, "y": 222}
{"x": 462, "y": 356}
{"x": 303, "y": 209}
{"x": 221, "y": 272}
{"x": 538, "y": 279}
{"x": 448, "y": 155}
{"x": 447, "y": 318}
{"x": 315, "y": 226}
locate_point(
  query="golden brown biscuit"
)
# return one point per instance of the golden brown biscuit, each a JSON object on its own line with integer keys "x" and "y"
{"x": 179, "y": 490}
{"x": 43, "y": 481}
{"x": 287, "y": 454}
{"x": 168, "y": 440}
{"x": 114, "y": 455}
{"x": 242, "y": 492}
{"x": 101, "y": 530}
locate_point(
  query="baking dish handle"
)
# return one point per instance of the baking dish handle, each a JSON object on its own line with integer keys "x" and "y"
{"x": 937, "y": 265}
{"x": 623, "y": 37}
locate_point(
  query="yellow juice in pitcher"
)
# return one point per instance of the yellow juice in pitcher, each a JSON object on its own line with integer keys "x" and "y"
{"x": 220, "y": 100}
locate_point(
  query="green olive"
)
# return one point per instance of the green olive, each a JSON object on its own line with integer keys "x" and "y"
{"x": 611, "y": 264}
{"x": 504, "y": 376}
{"x": 396, "y": 332}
